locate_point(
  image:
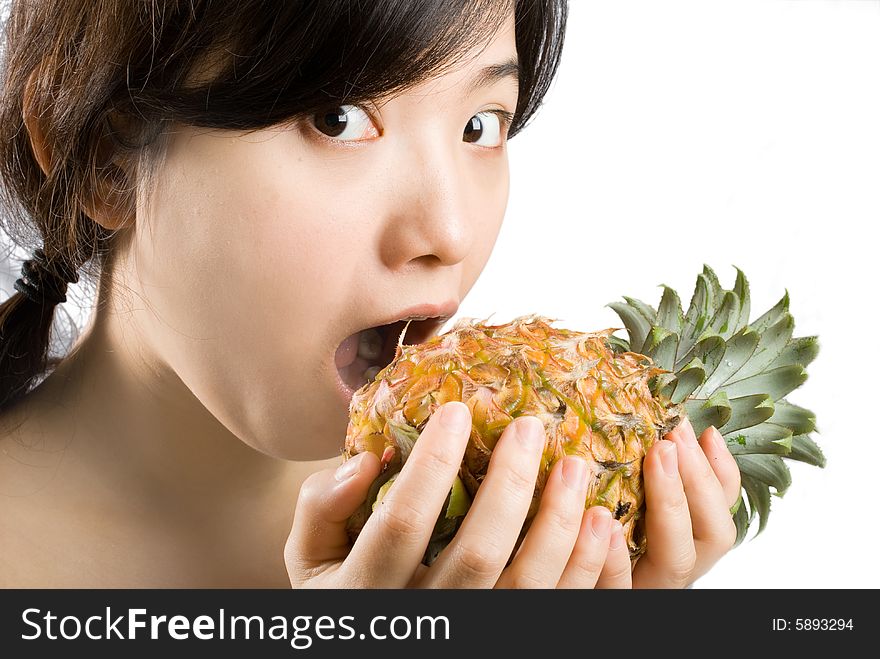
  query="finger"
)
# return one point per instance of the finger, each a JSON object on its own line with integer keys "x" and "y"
{"x": 326, "y": 500}
{"x": 481, "y": 548}
{"x": 670, "y": 556}
{"x": 714, "y": 530}
{"x": 547, "y": 546}
{"x": 590, "y": 551}
{"x": 617, "y": 571}
{"x": 722, "y": 463}
{"x": 397, "y": 533}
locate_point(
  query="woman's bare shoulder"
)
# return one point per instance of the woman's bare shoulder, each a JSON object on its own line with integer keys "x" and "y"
{"x": 28, "y": 454}
{"x": 28, "y": 468}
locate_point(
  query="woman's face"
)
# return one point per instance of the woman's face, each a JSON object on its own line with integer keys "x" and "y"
{"x": 259, "y": 255}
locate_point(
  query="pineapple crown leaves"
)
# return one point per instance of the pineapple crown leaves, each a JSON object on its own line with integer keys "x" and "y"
{"x": 732, "y": 374}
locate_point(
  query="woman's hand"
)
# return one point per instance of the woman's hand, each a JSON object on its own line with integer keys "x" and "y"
{"x": 690, "y": 488}
{"x": 564, "y": 546}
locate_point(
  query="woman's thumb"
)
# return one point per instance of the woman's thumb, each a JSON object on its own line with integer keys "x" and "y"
{"x": 326, "y": 500}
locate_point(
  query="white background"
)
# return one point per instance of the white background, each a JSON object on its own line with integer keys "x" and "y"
{"x": 729, "y": 133}
{"x": 741, "y": 132}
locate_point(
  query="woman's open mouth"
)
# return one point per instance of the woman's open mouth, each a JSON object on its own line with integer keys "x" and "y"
{"x": 363, "y": 354}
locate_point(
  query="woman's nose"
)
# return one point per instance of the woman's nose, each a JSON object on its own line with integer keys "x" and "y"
{"x": 430, "y": 212}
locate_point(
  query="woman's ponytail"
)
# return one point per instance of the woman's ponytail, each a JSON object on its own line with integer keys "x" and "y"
{"x": 26, "y": 324}
{"x": 56, "y": 94}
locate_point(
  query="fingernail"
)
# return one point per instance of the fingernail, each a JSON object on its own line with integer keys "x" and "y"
{"x": 600, "y": 524}
{"x": 349, "y": 468}
{"x": 719, "y": 439}
{"x": 574, "y": 472}
{"x": 617, "y": 536}
{"x": 687, "y": 432}
{"x": 455, "y": 416}
{"x": 669, "y": 458}
{"x": 530, "y": 431}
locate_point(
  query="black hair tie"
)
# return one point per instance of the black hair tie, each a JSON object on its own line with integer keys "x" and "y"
{"x": 41, "y": 281}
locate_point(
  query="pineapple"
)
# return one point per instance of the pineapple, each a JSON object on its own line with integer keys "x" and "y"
{"x": 602, "y": 397}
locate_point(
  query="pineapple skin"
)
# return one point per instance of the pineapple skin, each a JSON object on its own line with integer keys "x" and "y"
{"x": 593, "y": 402}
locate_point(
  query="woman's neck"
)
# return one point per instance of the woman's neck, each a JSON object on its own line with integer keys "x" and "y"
{"x": 131, "y": 441}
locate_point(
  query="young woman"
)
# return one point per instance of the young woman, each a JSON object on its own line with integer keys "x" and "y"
{"x": 253, "y": 184}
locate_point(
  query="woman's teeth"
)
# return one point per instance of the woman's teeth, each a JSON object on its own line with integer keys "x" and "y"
{"x": 370, "y": 348}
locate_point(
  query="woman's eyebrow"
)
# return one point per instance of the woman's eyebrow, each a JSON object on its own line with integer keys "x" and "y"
{"x": 493, "y": 73}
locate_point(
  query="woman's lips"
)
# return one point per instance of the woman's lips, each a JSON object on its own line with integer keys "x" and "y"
{"x": 346, "y": 392}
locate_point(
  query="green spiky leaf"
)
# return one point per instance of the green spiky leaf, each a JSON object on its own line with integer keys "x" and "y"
{"x": 669, "y": 314}
{"x": 804, "y": 449}
{"x": 648, "y": 312}
{"x": 689, "y": 378}
{"x": 763, "y": 439}
{"x": 766, "y": 468}
{"x": 636, "y": 324}
{"x": 714, "y": 285}
{"x": 776, "y": 383}
{"x": 737, "y": 351}
{"x": 618, "y": 344}
{"x": 710, "y": 349}
{"x": 733, "y": 374}
{"x": 771, "y": 316}
{"x": 802, "y": 350}
{"x": 727, "y": 315}
{"x": 714, "y": 411}
{"x": 696, "y": 318}
{"x": 663, "y": 385}
{"x": 770, "y": 346}
{"x": 741, "y": 288}
{"x": 660, "y": 346}
{"x": 741, "y": 519}
{"x": 798, "y": 419}
{"x": 747, "y": 411}
{"x": 759, "y": 500}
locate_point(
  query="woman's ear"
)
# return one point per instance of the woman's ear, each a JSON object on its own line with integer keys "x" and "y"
{"x": 110, "y": 198}
{"x": 33, "y": 124}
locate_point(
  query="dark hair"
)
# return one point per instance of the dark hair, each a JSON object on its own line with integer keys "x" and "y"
{"x": 108, "y": 77}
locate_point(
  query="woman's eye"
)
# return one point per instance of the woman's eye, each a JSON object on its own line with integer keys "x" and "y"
{"x": 484, "y": 128}
{"x": 350, "y": 123}
{"x": 346, "y": 123}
